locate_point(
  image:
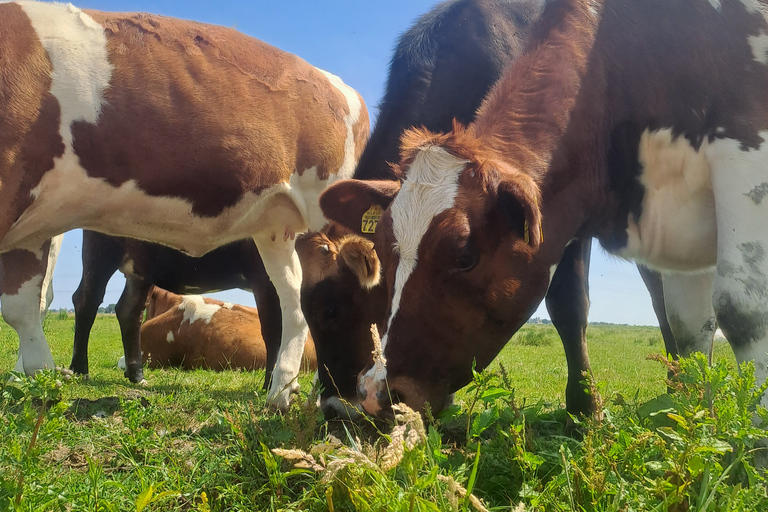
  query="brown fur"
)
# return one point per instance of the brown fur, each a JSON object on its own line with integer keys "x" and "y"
{"x": 19, "y": 266}
{"x": 232, "y": 339}
{"x": 221, "y": 114}
{"x": 556, "y": 139}
{"x": 338, "y": 307}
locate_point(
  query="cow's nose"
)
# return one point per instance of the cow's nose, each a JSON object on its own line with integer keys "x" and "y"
{"x": 368, "y": 393}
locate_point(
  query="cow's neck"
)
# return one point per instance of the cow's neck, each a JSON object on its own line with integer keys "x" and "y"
{"x": 527, "y": 114}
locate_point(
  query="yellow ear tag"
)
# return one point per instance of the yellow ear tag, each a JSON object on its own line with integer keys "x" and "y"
{"x": 371, "y": 219}
{"x": 527, "y": 233}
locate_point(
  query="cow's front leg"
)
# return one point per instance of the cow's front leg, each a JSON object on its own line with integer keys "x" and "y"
{"x": 129, "y": 310}
{"x": 282, "y": 265}
{"x": 26, "y": 291}
{"x": 568, "y": 305}
{"x": 101, "y": 258}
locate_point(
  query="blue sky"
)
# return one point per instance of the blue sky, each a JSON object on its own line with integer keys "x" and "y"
{"x": 354, "y": 40}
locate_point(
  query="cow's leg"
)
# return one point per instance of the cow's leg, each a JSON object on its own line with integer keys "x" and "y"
{"x": 688, "y": 302}
{"x": 568, "y": 305}
{"x": 101, "y": 258}
{"x": 25, "y": 294}
{"x": 269, "y": 309}
{"x": 282, "y": 265}
{"x": 129, "y": 310}
{"x": 655, "y": 288}
{"x": 740, "y": 296}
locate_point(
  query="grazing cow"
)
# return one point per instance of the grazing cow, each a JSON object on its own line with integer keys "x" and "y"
{"x": 190, "y": 331}
{"x": 26, "y": 291}
{"x": 180, "y": 133}
{"x": 641, "y": 122}
{"x": 236, "y": 265}
{"x": 441, "y": 69}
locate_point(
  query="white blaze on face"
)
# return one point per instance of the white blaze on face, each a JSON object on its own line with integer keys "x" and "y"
{"x": 195, "y": 308}
{"x": 430, "y": 188}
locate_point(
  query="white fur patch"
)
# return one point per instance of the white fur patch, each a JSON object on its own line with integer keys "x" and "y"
{"x": 22, "y": 311}
{"x": 749, "y": 5}
{"x": 227, "y": 305}
{"x": 170, "y": 338}
{"x": 430, "y": 188}
{"x": 195, "y": 308}
{"x": 759, "y": 45}
{"x": 355, "y": 107}
{"x": 77, "y": 47}
{"x": 740, "y": 183}
{"x": 677, "y": 228}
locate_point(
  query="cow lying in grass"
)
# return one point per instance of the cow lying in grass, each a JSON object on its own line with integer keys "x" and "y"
{"x": 191, "y": 331}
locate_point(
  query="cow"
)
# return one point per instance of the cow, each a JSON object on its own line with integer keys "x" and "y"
{"x": 180, "y": 133}
{"x": 26, "y": 291}
{"x": 442, "y": 68}
{"x": 236, "y": 265}
{"x": 191, "y": 331}
{"x": 642, "y": 123}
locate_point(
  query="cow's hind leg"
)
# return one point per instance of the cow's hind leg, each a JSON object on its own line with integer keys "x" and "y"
{"x": 129, "y": 310}
{"x": 653, "y": 283}
{"x": 101, "y": 258}
{"x": 282, "y": 265}
{"x": 25, "y": 294}
{"x": 688, "y": 302}
{"x": 269, "y": 308}
{"x": 568, "y": 305}
{"x": 740, "y": 297}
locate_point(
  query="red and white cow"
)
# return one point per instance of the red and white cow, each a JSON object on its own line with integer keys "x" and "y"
{"x": 641, "y": 122}
{"x": 26, "y": 291}
{"x": 191, "y": 331}
{"x": 180, "y": 133}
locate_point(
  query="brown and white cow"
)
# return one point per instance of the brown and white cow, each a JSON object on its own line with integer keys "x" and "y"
{"x": 641, "y": 122}
{"x": 191, "y": 331}
{"x": 180, "y": 133}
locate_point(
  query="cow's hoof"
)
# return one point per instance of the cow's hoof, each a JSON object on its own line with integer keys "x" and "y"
{"x": 143, "y": 383}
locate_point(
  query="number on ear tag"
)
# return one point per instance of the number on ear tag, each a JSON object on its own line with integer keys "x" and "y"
{"x": 371, "y": 219}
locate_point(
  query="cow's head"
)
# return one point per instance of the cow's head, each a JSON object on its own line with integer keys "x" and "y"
{"x": 159, "y": 301}
{"x": 341, "y": 296}
{"x": 457, "y": 243}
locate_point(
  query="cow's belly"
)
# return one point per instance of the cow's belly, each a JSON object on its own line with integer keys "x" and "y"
{"x": 68, "y": 198}
{"x": 677, "y": 228}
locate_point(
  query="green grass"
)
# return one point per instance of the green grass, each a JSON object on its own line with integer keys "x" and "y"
{"x": 202, "y": 440}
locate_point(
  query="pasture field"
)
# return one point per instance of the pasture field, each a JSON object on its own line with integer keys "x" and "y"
{"x": 205, "y": 441}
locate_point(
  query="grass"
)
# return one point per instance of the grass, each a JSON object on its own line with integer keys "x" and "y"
{"x": 203, "y": 440}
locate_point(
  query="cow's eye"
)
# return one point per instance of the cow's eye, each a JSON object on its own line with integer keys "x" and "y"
{"x": 466, "y": 261}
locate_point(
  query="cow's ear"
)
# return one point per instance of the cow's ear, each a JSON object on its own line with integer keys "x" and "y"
{"x": 518, "y": 202}
{"x": 358, "y": 254}
{"x": 358, "y": 204}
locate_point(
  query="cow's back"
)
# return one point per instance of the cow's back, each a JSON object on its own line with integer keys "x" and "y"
{"x": 184, "y": 124}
